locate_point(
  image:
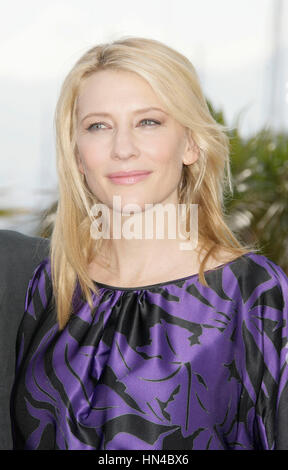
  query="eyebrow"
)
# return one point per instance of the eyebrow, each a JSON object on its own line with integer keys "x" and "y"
{"x": 137, "y": 111}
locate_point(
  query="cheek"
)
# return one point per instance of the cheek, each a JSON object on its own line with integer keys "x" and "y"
{"x": 168, "y": 153}
{"x": 89, "y": 155}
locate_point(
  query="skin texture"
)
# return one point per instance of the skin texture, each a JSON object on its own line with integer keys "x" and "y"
{"x": 126, "y": 140}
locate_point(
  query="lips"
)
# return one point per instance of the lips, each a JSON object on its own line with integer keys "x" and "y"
{"x": 126, "y": 174}
{"x": 128, "y": 177}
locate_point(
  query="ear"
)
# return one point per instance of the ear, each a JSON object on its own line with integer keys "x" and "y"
{"x": 192, "y": 151}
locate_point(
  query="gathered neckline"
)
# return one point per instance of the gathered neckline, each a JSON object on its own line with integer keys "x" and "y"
{"x": 160, "y": 284}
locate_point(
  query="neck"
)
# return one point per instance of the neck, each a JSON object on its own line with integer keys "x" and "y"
{"x": 145, "y": 241}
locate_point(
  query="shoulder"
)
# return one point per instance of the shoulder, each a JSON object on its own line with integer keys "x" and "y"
{"x": 249, "y": 279}
{"x": 39, "y": 294}
{"x": 19, "y": 255}
{"x": 40, "y": 286}
{"x": 253, "y": 265}
{"x": 15, "y": 243}
{"x": 258, "y": 267}
{"x": 260, "y": 280}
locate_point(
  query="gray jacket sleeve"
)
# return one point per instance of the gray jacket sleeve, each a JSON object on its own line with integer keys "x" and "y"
{"x": 19, "y": 256}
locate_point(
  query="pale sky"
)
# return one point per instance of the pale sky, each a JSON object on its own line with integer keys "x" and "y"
{"x": 229, "y": 43}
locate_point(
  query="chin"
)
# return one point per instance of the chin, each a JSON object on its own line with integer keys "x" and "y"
{"x": 127, "y": 205}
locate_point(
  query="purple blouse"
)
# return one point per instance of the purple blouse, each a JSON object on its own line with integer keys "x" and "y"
{"x": 174, "y": 365}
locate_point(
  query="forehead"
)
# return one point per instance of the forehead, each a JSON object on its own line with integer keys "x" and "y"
{"x": 115, "y": 87}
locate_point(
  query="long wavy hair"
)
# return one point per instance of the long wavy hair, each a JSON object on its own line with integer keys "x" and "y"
{"x": 174, "y": 80}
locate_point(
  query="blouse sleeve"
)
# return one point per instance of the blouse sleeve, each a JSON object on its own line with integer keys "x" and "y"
{"x": 37, "y": 302}
{"x": 271, "y": 413}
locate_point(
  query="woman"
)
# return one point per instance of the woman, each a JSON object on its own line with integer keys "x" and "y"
{"x": 124, "y": 343}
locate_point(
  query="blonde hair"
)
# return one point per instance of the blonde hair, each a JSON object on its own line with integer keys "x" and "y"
{"x": 174, "y": 80}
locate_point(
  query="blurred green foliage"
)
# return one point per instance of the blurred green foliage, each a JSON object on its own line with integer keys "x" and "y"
{"x": 258, "y": 209}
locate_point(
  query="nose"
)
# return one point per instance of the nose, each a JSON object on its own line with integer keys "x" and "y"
{"x": 124, "y": 145}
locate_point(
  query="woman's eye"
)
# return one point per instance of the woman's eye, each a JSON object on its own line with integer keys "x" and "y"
{"x": 150, "y": 120}
{"x": 92, "y": 126}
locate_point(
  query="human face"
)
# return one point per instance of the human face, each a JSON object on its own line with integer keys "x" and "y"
{"x": 114, "y": 134}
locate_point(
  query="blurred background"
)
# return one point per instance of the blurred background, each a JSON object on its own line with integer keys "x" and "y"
{"x": 240, "y": 51}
